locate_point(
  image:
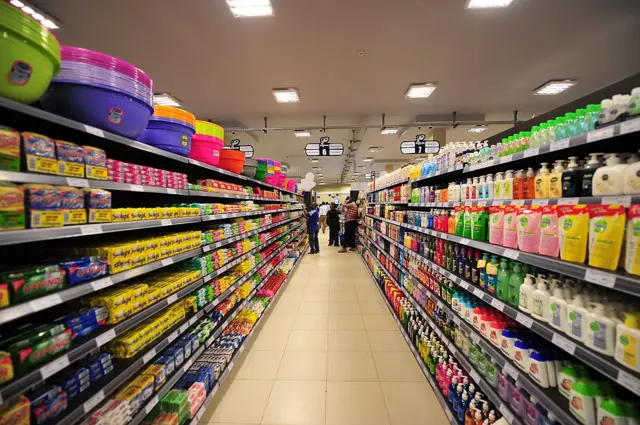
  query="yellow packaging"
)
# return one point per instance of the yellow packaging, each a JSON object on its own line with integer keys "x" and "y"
{"x": 99, "y": 215}
{"x": 6, "y": 367}
{"x": 152, "y": 213}
{"x": 153, "y": 295}
{"x": 113, "y": 298}
{"x": 18, "y": 413}
{"x": 75, "y": 217}
{"x": 139, "y": 290}
{"x": 138, "y": 214}
{"x": 41, "y": 164}
{"x": 606, "y": 232}
{"x": 119, "y": 214}
{"x": 138, "y": 260}
{"x": 153, "y": 255}
{"x": 97, "y": 173}
{"x": 120, "y": 313}
{"x": 152, "y": 244}
{"x": 573, "y": 230}
{"x": 158, "y": 373}
{"x": 138, "y": 304}
{"x": 12, "y": 214}
{"x": 41, "y": 219}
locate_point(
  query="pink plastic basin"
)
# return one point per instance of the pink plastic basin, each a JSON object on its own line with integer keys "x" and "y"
{"x": 206, "y": 149}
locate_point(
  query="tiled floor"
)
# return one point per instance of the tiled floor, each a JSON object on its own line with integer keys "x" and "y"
{"x": 330, "y": 353}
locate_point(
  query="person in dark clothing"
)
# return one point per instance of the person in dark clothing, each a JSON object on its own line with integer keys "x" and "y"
{"x": 350, "y": 212}
{"x": 312, "y": 228}
{"x": 333, "y": 221}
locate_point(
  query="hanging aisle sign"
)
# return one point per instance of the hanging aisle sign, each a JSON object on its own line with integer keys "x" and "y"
{"x": 324, "y": 148}
{"x": 247, "y": 149}
{"x": 420, "y": 146}
{"x": 371, "y": 175}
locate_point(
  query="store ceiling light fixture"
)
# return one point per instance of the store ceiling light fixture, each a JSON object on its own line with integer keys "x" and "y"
{"x": 484, "y": 4}
{"x": 314, "y": 160}
{"x": 375, "y": 149}
{"x": 302, "y": 133}
{"x": 250, "y": 8}
{"x": 478, "y": 129}
{"x": 554, "y": 87}
{"x": 421, "y": 90}
{"x": 35, "y": 14}
{"x": 286, "y": 95}
{"x": 165, "y": 99}
{"x": 367, "y": 159}
{"x": 388, "y": 130}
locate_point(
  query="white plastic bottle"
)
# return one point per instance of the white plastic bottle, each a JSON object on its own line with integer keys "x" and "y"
{"x": 538, "y": 368}
{"x": 507, "y": 185}
{"x": 609, "y": 180}
{"x": 498, "y": 186}
{"x": 631, "y": 185}
{"x": 558, "y": 310}
{"x": 605, "y": 115}
{"x": 600, "y": 332}
{"x": 481, "y": 184}
{"x": 540, "y": 301}
{"x": 576, "y": 318}
{"x": 488, "y": 188}
{"x": 526, "y": 289}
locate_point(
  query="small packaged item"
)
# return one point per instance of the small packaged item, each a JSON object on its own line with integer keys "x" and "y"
{"x": 145, "y": 383}
{"x": 33, "y": 282}
{"x": 98, "y": 203}
{"x": 528, "y": 222}
{"x": 606, "y": 233}
{"x": 6, "y": 367}
{"x": 510, "y": 227}
{"x": 84, "y": 269}
{"x": 573, "y": 225}
{"x": 70, "y": 159}
{"x": 96, "y": 163}
{"x": 41, "y": 345}
{"x": 158, "y": 373}
{"x": 48, "y": 404}
{"x": 44, "y": 203}
{"x": 73, "y": 205}
{"x": 40, "y": 153}
{"x": 168, "y": 362}
{"x": 549, "y": 242}
{"x": 9, "y": 149}
{"x": 133, "y": 395}
{"x": 12, "y": 207}
{"x": 18, "y": 413}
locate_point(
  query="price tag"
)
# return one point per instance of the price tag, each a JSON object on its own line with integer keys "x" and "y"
{"x": 231, "y": 365}
{"x": 524, "y": 319}
{"x": 568, "y": 201}
{"x": 600, "y": 278}
{"x": 172, "y": 299}
{"x": 558, "y": 145}
{"x": 167, "y": 261}
{"x": 101, "y": 283}
{"x": 183, "y": 327}
{"x": 456, "y": 320}
{"x": 150, "y": 355}
{"x": 45, "y": 302}
{"x": 517, "y": 202}
{"x": 92, "y": 130}
{"x": 172, "y": 337}
{"x": 511, "y": 371}
{"x": 505, "y": 159}
{"x": 600, "y": 134}
{"x": 105, "y": 337}
{"x": 531, "y": 152}
{"x": 478, "y": 293}
{"x": 628, "y": 381}
{"x": 206, "y": 248}
{"x": 474, "y": 375}
{"x": 93, "y": 402}
{"x": 166, "y": 222}
{"x": 506, "y": 413}
{"x": 136, "y": 188}
{"x": 464, "y": 241}
{"x": 495, "y": 303}
{"x": 475, "y": 337}
{"x": 464, "y": 284}
{"x": 91, "y": 229}
{"x": 171, "y": 191}
{"x": 622, "y": 200}
{"x": 482, "y": 203}
{"x": 152, "y": 403}
{"x": 540, "y": 202}
{"x": 54, "y": 367}
{"x": 439, "y": 303}
{"x": 563, "y": 343}
{"x": 630, "y": 126}
{"x": 75, "y": 182}
{"x": 509, "y": 253}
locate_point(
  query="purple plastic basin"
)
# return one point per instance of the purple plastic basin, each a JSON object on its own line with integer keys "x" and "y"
{"x": 168, "y": 136}
{"x": 136, "y": 90}
{"x": 78, "y": 54}
{"x": 101, "y": 107}
{"x": 79, "y": 68}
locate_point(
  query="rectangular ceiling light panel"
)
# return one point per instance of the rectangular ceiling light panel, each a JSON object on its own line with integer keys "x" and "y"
{"x": 286, "y": 95}
{"x": 477, "y": 129}
{"x": 484, "y": 4}
{"x": 302, "y": 133}
{"x": 554, "y": 87}
{"x": 423, "y": 90}
{"x": 250, "y": 8}
{"x": 367, "y": 159}
{"x": 388, "y": 130}
{"x": 165, "y": 99}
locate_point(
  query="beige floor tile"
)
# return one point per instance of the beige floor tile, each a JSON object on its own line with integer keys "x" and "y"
{"x": 260, "y": 365}
{"x": 345, "y": 322}
{"x": 379, "y": 322}
{"x": 343, "y": 296}
{"x": 279, "y": 321}
{"x": 373, "y": 307}
{"x": 386, "y": 340}
{"x": 351, "y": 340}
{"x": 296, "y": 403}
{"x": 271, "y": 340}
{"x": 344, "y": 307}
{"x": 286, "y": 307}
{"x": 351, "y": 366}
{"x": 412, "y": 403}
{"x": 311, "y": 321}
{"x": 244, "y": 402}
{"x": 303, "y": 366}
{"x": 307, "y": 340}
{"x": 397, "y": 366}
{"x": 316, "y": 296}
{"x": 314, "y": 307}
{"x": 355, "y": 403}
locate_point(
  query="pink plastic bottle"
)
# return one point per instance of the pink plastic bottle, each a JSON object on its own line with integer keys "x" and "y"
{"x": 510, "y": 234}
{"x": 549, "y": 242}
{"x": 528, "y": 221}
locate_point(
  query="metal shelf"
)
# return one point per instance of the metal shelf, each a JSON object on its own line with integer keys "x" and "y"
{"x": 389, "y": 203}
{"x": 625, "y": 200}
{"x": 378, "y": 189}
{"x": 450, "y": 170}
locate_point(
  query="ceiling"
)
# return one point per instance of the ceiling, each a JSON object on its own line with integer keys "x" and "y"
{"x": 484, "y": 61}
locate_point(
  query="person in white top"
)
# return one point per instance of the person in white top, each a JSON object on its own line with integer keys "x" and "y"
{"x": 323, "y": 208}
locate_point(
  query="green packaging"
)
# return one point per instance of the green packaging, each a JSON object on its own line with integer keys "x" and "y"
{"x": 466, "y": 227}
{"x": 31, "y": 349}
{"x": 33, "y": 282}
{"x": 479, "y": 220}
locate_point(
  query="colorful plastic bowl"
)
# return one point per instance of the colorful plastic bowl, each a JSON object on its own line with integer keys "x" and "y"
{"x": 168, "y": 136}
{"x": 232, "y": 160}
{"x": 206, "y": 149}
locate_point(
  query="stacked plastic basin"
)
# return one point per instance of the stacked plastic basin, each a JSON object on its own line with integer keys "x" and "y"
{"x": 102, "y": 91}
{"x": 170, "y": 129}
{"x": 29, "y": 58}
{"x": 261, "y": 169}
{"x": 207, "y": 143}
{"x": 232, "y": 160}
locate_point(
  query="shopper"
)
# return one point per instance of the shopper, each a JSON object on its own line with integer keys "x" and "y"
{"x": 333, "y": 220}
{"x": 324, "y": 208}
{"x": 312, "y": 228}
{"x": 350, "y": 211}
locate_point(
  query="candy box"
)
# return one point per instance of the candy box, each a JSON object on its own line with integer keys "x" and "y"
{"x": 25, "y": 284}
{"x": 168, "y": 362}
{"x": 158, "y": 373}
{"x": 29, "y": 349}
{"x": 133, "y": 395}
{"x": 73, "y": 205}
{"x": 84, "y": 269}
{"x": 12, "y": 208}
{"x": 70, "y": 159}
{"x": 40, "y": 153}
{"x": 86, "y": 317}
{"x": 18, "y": 413}
{"x": 145, "y": 383}
{"x": 9, "y": 149}
{"x": 47, "y": 404}
{"x": 96, "y": 163}
{"x": 6, "y": 367}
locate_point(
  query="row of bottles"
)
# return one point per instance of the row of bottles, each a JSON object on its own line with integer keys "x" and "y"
{"x": 393, "y": 194}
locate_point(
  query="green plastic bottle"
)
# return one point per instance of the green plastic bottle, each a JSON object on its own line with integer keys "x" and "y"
{"x": 466, "y": 229}
{"x": 503, "y": 279}
{"x": 579, "y": 126}
{"x": 569, "y": 124}
{"x": 560, "y": 128}
{"x": 591, "y": 118}
{"x": 515, "y": 281}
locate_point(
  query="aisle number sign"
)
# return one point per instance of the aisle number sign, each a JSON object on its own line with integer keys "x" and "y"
{"x": 420, "y": 146}
{"x": 247, "y": 149}
{"x": 324, "y": 148}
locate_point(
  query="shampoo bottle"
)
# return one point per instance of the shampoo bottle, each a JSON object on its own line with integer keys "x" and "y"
{"x": 540, "y": 301}
{"x": 507, "y": 185}
{"x": 555, "y": 180}
{"x": 609, "y": 180}
{"x": 542, "y": 182}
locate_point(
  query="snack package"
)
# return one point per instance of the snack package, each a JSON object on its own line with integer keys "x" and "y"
{"x": 18, "y": 413}
{"x": 98, "y": 204}
{"x": 38, "y": 346}
{"x": 47, "y": 404}
{"x": 84, "y": 269}
{"x": 606, "y": 232}
{"x": 6, "y": 367}
{"x": 9, "y": 149}
{"x": 73, "y": 205}
{"x": 12, "y": 207}
{"x": 70, "y": 159}
{"x": 40, "y": 153}
{"x": 96, "y": 163}
{"x": 26, "y": 284}
{"x": 44, "y": 204}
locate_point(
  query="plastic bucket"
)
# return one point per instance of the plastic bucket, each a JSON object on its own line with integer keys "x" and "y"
{"x": 206, "y": 149}
{"x": 232, "y": 160}
{"x": 209, "y": 129}
{"x": 168, "y": 136}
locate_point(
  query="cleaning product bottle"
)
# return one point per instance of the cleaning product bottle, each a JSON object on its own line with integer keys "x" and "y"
{"x": 516, "y": 279}
{"x": 555, "y": 180}
{"x": 526, "y": 294}
{"x": 571, "y": 178}
{"x": 576, "y": 318}
{"x": 609, "y": 180}
{"x": 498, "y": 186}
{"x": 518, "y": 185}
{"x": 482, "y": 271}
{"x": 600, "y": 330}
{"x": 504, "y": 273}
{"x": 540, "y": 301}
{"x": 583, "y": 401}
{"x": 612, "y": 412}
{"x": 632, "y": 251}
{"x": 558, "y": 310}
{"x": 529, "y": 184}
{"x": 628, "y": 342}
{"x": 507, "y": 185}
{"x": 489, "y": 188}
{"x": 538, "y": 363}
{"x": 593, "y": 164}
{"x": 532, "y": 411}
{"x": 542, "y": 182}
{"x": 474, "y": 189}
{"x": 606, "y": 231}
{"x": 633, "y": 416}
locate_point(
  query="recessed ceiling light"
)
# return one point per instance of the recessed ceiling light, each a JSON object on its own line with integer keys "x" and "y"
{"x": 554, "y": 87}
{"x": 316, "y": 168}
{"x": 286, "y": 95}
{"x": 250, "y": 8}
{"x": 314, "y": 160}
{"x": 35, "y": 14}
{"x": 321, "y": 183}
{"x": 375, "y": 149}
{"x": 352, "y": 180}
{"x": 388, "y": 130}
{"x": 165, "y": 99}
{"x": 482, "y": 4}
{"x": 362, "y": 166}
{"x": 367, "y": 159}
{"x": 478, "y": 129}
{"x": 356, "y": 173}
{"x": 421, "y": 90}
{"x": 302, "y": 133}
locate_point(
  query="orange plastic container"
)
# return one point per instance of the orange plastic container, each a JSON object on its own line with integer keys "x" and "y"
{"x": 232, "y": 160}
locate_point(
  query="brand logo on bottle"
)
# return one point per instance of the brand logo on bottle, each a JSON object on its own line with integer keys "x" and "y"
{"x": 600, "y": 226}
{"x": 184, "y": 140}
{"x": 568, "y": 223}
{"x": 524, "y": 221}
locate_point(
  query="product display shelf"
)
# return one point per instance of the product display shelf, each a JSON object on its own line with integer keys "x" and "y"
{"x": 601, "y": 134}
{"x": 93, "y": 342}
{"x": 17, "y": 311}
{"x": 445, "y": 405}
{"x": 624, "y": 200}
{"x": 239, "y": 197}
{"x": 451, "y": 170}
{"x": 389, "y": 203}
{"x": 387, "y": 186}
{"x": 241, "y": 348}
{"x": 603, "y": 364}
{"x": 215, "y": 217}
{"x": 88, "y": 132}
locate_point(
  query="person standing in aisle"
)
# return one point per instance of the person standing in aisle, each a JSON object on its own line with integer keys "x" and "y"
{"x": 350, "y": 211}
{"x": 312, "y": 228}
{"x": 333, "y": 220}
{"x": 324, "y": 208}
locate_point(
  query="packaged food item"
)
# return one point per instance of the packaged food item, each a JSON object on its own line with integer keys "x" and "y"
{"x": 33, "y": 282}
{"x": 84, "y": 269}
{"x": 133, "y": 395}
{"x": 9, "y": 149}
{"x": 18, "y": 413}
{"x": 510, "y": 227}
{"x": 72, "y": 206}
{"x": 606, "y": 232}
{"x": 44, "y": 203}
{"x": 632, "y": 252}
{"x": 158, "y": 373}
{"x": 70, "y": 159}
{"x": 528, "y": 222}
{"x": 549, "y": 239}
{"x": 48, "y": 403}
{"x": 96, "y": 163}
{"x": 12, "y": 210}
{"x": 35, "y": 347}
{"x": 145, "y": 384}
{"x": 98, "y": 204}
{"x": 40, "y": 153}
{"x": 6, "y": 367}
{"x": 573, "y": 230}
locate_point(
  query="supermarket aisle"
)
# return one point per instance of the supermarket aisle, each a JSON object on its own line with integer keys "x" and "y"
{"x": 330, "y": 353}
